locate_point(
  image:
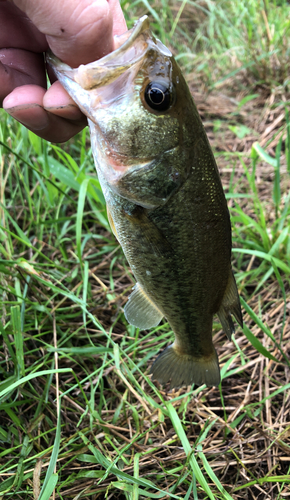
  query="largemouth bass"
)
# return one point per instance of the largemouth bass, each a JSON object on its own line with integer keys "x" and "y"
{"x": 165, "y": 201}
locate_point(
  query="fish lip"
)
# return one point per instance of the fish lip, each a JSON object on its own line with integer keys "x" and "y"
{"x": 108, "y": 68}
{"x": 95, "y": 74}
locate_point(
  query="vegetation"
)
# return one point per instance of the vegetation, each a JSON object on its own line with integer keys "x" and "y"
{"x": 79, "y": 415}
{"x": 230, "y": 37}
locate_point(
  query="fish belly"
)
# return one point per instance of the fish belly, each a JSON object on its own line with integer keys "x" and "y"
{"x": 180, "y": 256}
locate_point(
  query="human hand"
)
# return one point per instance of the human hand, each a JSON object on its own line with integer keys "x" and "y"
{"x": 77, "y": 31}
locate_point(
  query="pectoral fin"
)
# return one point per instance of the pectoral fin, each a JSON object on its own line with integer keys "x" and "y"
{"x": 230, "y": 305}
{"x": 140, "y": 311}
{"x": 148, "y": 233}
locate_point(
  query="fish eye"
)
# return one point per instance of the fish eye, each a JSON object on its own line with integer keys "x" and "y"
{"x": 158, "y": 96}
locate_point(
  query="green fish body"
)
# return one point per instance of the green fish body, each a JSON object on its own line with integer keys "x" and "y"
{"x": 164, "y": 196}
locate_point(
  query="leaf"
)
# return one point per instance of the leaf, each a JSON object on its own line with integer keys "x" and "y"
{"x": 80, "y": 350}
{"x": 276, "y": 187}
{"x": 262, "y": 153}
{"x": 264, "y": 329}
{"x": 213, "y": 477}
{"x": 99, "y": 458}
{"x": 50, "y": 485}
{"x": 38, "y": 172}
{"x": 63, "y": 174}
{"x": 279, "y": 263}
{"x": 50, "y": 479}
{"x": 243, "y": 67}
{"x": 240, "y": 130}
{"x": 18, "y": 337}
{"x": 257, "y": 344}
{"x": 80, "y": 212}
{"x": 247, "y": 99}
{"x": 30, "y": 377}
{"x": 188, "y": 450}
{"x": 130, "y": 489}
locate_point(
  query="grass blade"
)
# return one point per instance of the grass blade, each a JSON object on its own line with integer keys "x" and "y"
{"x": 31, "y": 376}
{"x": 18, "y": 337}
{"x": 188, "y": 450}
{"x": 49, "y": 487}
{"x": 257, "y": 344}
{"x": 50, "y": 479}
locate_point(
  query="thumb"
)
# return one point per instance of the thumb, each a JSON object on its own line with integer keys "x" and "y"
{"x": 77, "y": 31}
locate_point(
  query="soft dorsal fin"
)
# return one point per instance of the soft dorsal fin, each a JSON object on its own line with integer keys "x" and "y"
{"x": 230, "y": 305}
{"x": 140, "y": 311}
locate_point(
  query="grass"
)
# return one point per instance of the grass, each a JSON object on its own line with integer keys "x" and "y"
{"x": 79, "y": 415}
{"x": 219, "y": 40}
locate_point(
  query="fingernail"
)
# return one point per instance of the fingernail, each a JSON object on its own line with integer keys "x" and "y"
{"x": 33, "y": 117}
{"x": 68, "y": 111}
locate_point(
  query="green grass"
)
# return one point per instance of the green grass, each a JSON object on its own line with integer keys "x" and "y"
{"x": 219, "y": 40}
{"x": 79, "y": 415}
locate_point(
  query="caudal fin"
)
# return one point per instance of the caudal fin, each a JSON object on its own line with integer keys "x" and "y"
{"x": 184, "y": 369}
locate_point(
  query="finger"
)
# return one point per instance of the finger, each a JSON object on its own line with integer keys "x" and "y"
{"x": 17, "y": 30}
{"x": 119, "y": 23}
{"x": 78, "y": 31}
{"x": 20, "y": 67}
{"x": 58, "y": 102}
{"x": 26, "y": 104}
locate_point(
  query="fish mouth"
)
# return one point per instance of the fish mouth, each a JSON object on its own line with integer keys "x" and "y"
{"x": 131, "y": 48}
{"x": 96, "y": 87}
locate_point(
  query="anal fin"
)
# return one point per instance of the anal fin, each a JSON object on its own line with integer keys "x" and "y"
{"x": 230, "y": 305}
{"x": 141, "y": 311}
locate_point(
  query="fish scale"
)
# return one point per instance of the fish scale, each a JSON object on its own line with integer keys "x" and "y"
{"x": 165, "y": 200}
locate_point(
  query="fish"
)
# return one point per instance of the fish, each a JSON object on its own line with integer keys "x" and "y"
{"x": 165, "y": 201}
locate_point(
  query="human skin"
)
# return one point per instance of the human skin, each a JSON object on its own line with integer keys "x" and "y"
{"x": 77, "y": 31}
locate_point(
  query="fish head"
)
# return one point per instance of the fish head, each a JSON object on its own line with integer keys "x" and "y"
{"x": 140, "y": 114}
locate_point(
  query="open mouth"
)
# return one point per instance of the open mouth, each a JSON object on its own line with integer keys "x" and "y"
{"x": 131, "y": 48}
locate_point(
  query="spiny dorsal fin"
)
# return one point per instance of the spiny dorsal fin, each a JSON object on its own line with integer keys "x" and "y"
{"x": 140, "y": 311}
{"x": 230, "y": 305}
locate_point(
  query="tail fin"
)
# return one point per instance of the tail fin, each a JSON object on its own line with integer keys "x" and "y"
{"x": 184, "y": 369}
